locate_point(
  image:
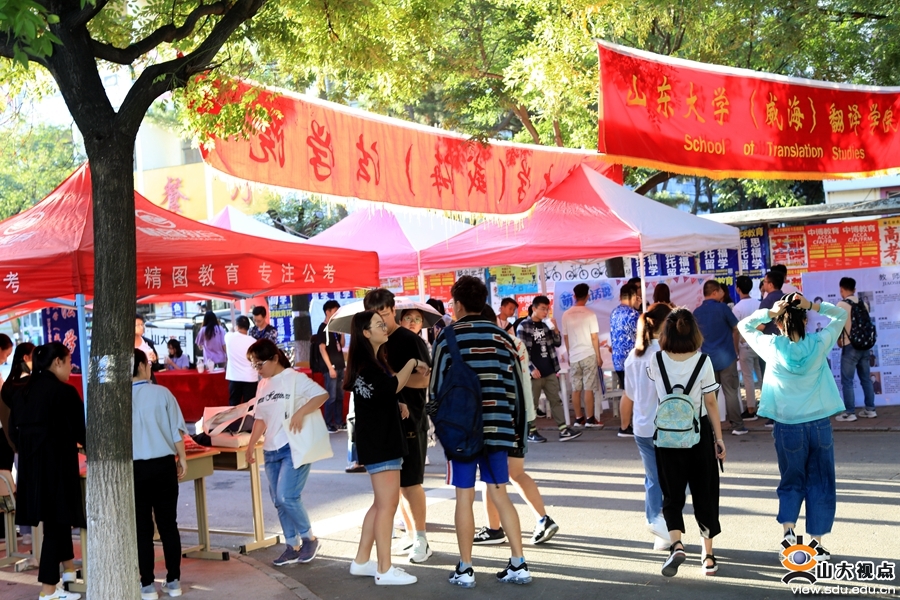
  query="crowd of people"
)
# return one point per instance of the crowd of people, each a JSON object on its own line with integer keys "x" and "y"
{"x": 670, "y": 362}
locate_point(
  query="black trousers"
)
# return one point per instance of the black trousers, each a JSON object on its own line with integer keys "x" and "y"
{"x": 697, "y": 467}
{"x": 241, "y": 391}
{"x": 156, "y": 495}
{"x": 56, "y": 548}
{"x": 6, "y": 464}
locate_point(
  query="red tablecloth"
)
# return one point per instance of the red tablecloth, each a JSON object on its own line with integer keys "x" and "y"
{"x": 194, "y": 391}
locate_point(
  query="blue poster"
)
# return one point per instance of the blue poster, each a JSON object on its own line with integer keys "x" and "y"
{"x": 177, "y": 310}
{"x": 61, "y": 325}
{"x": 755, "y": 251}
{"x": 281, "y": 317}
{"x": 723, "y": 264}
{"x": 664, "y": 265}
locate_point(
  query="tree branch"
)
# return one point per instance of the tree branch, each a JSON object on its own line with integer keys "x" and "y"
{"x": 557, "y": 134}
{"x": 160, "y": 78}
{"x": 7, "y": 44}
{"x": 523, "y": 115}
{"x": 165, "y": 34}
{"x": 841, "y": 15}
{"x": 84, "y": 16}
{"x": 653, "y": 181}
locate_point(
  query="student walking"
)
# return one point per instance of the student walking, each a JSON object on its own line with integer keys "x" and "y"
{"x": 638, "y": 410}
{"x": 800, "y": 394}
{"x": 680, "y": 369}
{"x": 380, "y": 442}
{"x": 280, "y": 389}
{"x": 157, "y": 430}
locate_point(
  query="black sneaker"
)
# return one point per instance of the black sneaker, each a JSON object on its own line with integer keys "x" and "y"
{"x": 676, "y": 557}
{"x": 489, "y": 537}
{"x": 566, "y": 435}
{"x": 627, "y": 432}
{"x": 770, "y": 424}
{"x": 748, "y": 416}
{"x": 464, "y": 579}
{"x": 822, "y": 555}
{"x": 512, "y": 574}
{"x": 593, "y": 423}
{"x": 540, "y": 413}
{"x": 536, "y": 438}
{"x": 579, "y": 422}
{"x": 544, "y": 530}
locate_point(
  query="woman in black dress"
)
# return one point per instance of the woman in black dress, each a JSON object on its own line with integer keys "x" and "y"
{"x": 46, "y": 425}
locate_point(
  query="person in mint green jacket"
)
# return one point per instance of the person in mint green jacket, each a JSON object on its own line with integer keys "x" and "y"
{"x": 799, "y": 393}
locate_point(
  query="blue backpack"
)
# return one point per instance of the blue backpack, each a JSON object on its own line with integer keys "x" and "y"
{"x": 456, "y": 412}
{"x": 677, "y": 422}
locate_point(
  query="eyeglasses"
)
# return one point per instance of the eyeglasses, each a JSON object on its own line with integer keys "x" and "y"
{"x": 382, "y": 326}
{"x": 417, "y": 320}
{"x": 258, "y": 365}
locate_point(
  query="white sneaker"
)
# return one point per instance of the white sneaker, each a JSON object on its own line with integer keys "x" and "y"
{"x": 394, "y": 576}
{"x": 845, "y": 417}
{"x": 867, "y": 414}
{"x": 148, "y": 592}
{"x": 68, "y": 576}
{"x": 420, "y": 551}
{"x": 401, "y": 547}
{"x": 464, "y": 579}
{"x": 59, "y": 594}
{"x": 659, "y": 528}
{"x": 172, "y": 588}
{"x": 369, "y": 569}
{"x": 661, "y": 543}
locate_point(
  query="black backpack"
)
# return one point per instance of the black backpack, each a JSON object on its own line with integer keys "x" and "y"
{"x": 456, "y": 411}
{"x": 862, "y": 330}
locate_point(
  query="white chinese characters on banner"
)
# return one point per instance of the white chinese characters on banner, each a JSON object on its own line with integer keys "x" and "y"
{"x": 879, "y": 289}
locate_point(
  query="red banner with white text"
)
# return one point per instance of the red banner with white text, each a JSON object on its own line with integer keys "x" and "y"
{"x": 323, "y": 147}
{"x": 699, "y": 119}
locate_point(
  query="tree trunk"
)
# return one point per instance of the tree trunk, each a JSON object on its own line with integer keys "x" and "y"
{"x": 302, "y": 327}
{"x": 112, "y": 542}
{"x": 696, "y": 205}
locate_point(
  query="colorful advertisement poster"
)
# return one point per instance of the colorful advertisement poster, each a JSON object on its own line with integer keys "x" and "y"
{"x": 61, "y": 325}
{"x": 281, "y": 317}
{"x": 788, "y": 247}
{"x": 514, "y": 280}
{"x": 879, "y": 289}
{"x": 836, "y": 246}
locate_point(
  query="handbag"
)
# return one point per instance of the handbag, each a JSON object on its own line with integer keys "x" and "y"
{"x": 312, "y": 442}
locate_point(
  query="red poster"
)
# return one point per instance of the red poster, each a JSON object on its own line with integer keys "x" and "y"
{"x": 327, "y": 148}
{"x": 843, "y": 246}
{"x": 788, "y": 247}
{"x": 525, "y": 301}
{"x": 436, "y": 286}
{"x": 699, "y": 119}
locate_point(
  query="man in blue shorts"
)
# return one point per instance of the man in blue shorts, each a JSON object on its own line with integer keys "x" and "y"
{"x": 492, "y": 355}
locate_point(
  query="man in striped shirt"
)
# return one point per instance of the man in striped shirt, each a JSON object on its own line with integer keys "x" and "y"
{"x": 491, "y": 353}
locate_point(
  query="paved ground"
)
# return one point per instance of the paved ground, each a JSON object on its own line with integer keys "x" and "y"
{"x": 594, "y": 488}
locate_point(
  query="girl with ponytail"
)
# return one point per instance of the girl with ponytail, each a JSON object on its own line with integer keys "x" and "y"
{"x": 638, "y": 409}
{"x": 46, "y": 424}
{"x": 799, "y": 394}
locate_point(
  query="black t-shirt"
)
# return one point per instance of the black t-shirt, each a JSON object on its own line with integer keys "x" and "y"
{"x": 401, "y": 346}
{"x": 333, "y": 347}
{"x": 379, "y": 436}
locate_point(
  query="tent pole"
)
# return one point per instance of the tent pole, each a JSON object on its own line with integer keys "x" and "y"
{"x": 83, "y": 347}
{"x": 233, "y": 316}
{"x": 542, "y": 279}
{"x": 421, "y": 277}
{"x": 643, "y": 281}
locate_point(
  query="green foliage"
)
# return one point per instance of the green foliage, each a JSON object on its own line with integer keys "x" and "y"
{"x": 26, "y": 23}
{"x": 33, "y": 161}
{"x": 305, "y": 214}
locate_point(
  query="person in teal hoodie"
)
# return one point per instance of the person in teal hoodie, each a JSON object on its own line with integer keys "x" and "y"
{"x": 799, "y": 393}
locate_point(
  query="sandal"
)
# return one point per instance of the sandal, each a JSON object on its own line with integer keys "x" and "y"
{"x": 709, "y": 569}
{"x": 676, "y": 557}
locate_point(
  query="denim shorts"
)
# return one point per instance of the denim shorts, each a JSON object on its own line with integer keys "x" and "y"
{"x": 388, "y": 465}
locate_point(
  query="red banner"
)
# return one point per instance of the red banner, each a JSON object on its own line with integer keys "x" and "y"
{"x": 327, "y": 148}
{"x": 698, "y": 119}
{"x": 838, "y": 246}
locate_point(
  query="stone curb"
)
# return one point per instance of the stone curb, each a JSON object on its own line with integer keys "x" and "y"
{"x": 300, "y": 590}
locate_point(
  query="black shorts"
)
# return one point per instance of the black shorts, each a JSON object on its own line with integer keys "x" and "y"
{"x": 413, "y": 471}
{"x": 516, "y": 452}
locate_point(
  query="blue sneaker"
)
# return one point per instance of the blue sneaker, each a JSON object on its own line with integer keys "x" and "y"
{"x": 288, "y": 557}
{"x": 308, "y": 550}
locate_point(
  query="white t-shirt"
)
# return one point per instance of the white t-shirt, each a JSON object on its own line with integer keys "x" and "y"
{"x": 642, "y": 390}
{"x": 578, "y": 323}
{"x": 680, "y": 372}
{"x": 275, "y": 395}
{"x": 745, "y": 308}
{"x": 238, "y": 368}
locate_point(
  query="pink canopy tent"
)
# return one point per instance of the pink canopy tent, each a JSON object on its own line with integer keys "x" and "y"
{"x": 587, "y": 216}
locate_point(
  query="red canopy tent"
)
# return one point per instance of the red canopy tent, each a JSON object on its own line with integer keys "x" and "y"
{"x": 48, "y": 252}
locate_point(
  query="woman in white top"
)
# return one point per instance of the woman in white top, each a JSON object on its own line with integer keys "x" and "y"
{"x": 281, "y": 388}
{"x": 679, "y": 343}
{"x": 157, "y": 430}
{"x": 638, "y": 408}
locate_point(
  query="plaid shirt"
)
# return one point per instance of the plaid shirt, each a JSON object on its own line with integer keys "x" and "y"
{"x": 541, "y": 342}
{"x": 269, "y": 333}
